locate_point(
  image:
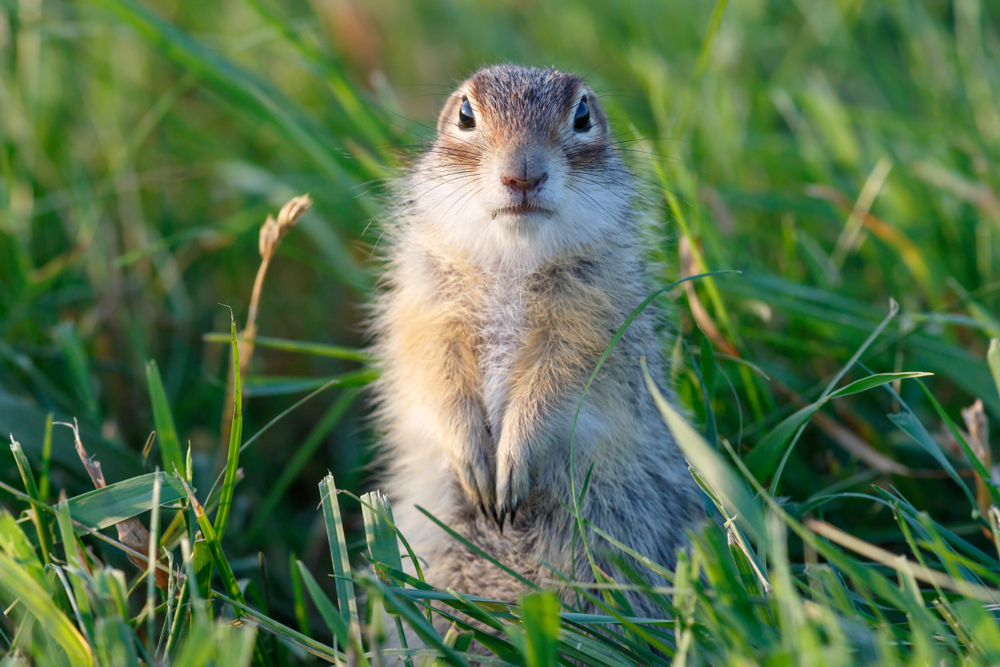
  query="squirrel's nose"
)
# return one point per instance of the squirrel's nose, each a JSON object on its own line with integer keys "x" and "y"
{"x": 523, "y": 184}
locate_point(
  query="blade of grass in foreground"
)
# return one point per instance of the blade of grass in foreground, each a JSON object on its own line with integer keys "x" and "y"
{"x": 383, "y": 547}
{"x": 338, "y": 552}
{"x": 154, "y": 536}
{"x": 222, "y": 565}
{"x": 116, "y": 502}
{"x": 257, "y": 386}
{"x": 334, "y": 621}
{"x": 235, "y": 436}
{"x": 709, "y": 464}
{"x": 408, "y": 611}
{"x": 977, "y": 465}
{"x": 283, "y": 631}
{"x": 540, "y": 621}
{"x": 16, "y": 581}
{"x": 299, "y": 597}
{"x": 28, "y": 478}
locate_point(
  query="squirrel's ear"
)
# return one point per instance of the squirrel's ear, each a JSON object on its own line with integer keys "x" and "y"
{"x": 446, "y": 121}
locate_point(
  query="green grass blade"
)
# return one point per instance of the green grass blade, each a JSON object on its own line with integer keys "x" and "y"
{"x": 102, "y": 508}
{"x": 402, "y": 538}
{"x": 154, "y": 540}
{"x": 166, "y": 432}
{"x": 540, "y": 619}
{"x": 314, "y": 349}
{"x": 710, "y": 465}
{"x": 221, "y": 563}
{"x": 909, "y": 424}
{"x": 76, "y": 569}
{"x": 476, "y": 550}
{"x": 37, "y": 516}
{"x": 383, "y": 547}
{"x": 17, "y": 583}
{"x": 43, "y": 476}
{"x": 114, "y": 643}
{"x": 235, "y": 436}
{"x": 282, "y": 631}
{"x": 409, "y": 613}
{"x": 299, "y": 597}
{"x": 212, "y": 540}
{"x": 234, "y": 646}
{"x": 765, "y": 455}
{"x": 334, "y": 621}
{"x": 872, "y": 381}
{"x": 201, "y": 561}
{"x": 16, "y": 544}
{"x": 196, "y": 648}
{"x": 764, "y": 461}
{"x": 346, "y": 600}
{"x": 257, "y": 386}
{"x": 974, "y": 461}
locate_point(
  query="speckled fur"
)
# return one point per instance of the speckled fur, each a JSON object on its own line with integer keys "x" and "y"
{"x": 490, "y": 322}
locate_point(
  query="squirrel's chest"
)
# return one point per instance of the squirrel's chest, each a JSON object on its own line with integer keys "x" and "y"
{"x": 504, "y": 324}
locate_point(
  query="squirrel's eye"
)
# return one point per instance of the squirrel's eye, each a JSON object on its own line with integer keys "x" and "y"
{"x": 581, "y": 121}
{"x": 465, "y": 118}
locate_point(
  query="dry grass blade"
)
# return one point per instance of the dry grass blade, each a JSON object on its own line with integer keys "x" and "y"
{"x": 902, "y": 563}
{"x": 851, "y": 237}
{"x": 131, "y": 532}
{"x": 271, "y": 233}
{"x": 698, "y": 311}
{"x": 885, "y": 231}
{"x": 978, "y": 427}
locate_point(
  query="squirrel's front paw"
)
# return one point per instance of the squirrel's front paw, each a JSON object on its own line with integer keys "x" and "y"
{"x": 513, "y": 482}
{"x": 473, "y": 463}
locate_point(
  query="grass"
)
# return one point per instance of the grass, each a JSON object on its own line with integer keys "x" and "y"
{"x": 838, "y": 154}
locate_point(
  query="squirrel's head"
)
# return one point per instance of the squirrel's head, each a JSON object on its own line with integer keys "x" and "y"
{"x": 523, "y": 163}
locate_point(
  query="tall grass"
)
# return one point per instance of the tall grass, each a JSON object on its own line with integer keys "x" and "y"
{"x": 839, "y": 154}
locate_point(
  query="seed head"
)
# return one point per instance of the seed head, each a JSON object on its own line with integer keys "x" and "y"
{"x": 273, "y": 230}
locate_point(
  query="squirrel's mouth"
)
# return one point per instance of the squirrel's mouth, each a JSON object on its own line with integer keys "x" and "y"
{"x": 523, "y": 209}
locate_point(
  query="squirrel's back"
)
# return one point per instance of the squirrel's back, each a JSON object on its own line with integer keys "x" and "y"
{"x": 511, "y": 263}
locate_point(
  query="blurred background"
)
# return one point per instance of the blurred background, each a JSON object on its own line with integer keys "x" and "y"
{"x": 838, "y": 152}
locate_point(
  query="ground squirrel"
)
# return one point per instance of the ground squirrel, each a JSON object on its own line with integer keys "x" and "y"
{"x": 511, "y": 262}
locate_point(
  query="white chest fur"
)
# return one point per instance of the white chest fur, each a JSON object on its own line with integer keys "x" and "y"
{"x": 502, "y": 336}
